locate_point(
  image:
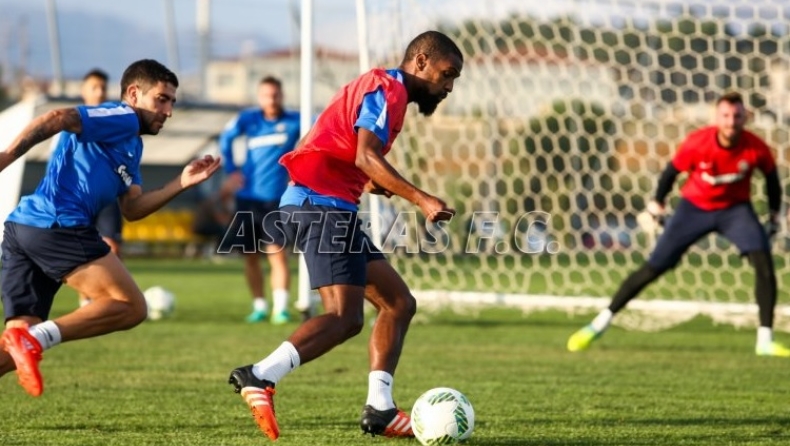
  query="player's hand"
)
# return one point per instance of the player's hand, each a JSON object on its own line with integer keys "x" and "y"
{"x": 435, "y": 209}
{"x": 372, "y": 187}
{"x": 657, "y": 211}
{"x": 199, "y": 170}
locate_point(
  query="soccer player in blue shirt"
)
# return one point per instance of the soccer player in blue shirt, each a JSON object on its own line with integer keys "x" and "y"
{"x": 50, "y": 238}
{"x": 270, "y": 132}
{"x": 109, "y": 221}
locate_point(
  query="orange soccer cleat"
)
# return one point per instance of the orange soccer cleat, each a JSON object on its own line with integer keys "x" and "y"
{"x": 259, "y": 396}
{"x": 26, "y": 352}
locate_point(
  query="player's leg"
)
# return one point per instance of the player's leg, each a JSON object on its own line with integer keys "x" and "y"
{"x": 27, "y": 295}
{"x": 280, "y": 282}
{"x": 254, "y": 278}
{"x": 78, "y": 258}
{"x": 395, "y": 305}
{"x": 109, "y": 223}
{"x": 253, "y": 274}
{"x": 740, "y": 225}
{"x": 277, "y": 256}
{"x": 340, "y": 278}
{"x": 687, "y": 225}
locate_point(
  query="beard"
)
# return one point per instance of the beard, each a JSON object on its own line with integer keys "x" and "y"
{"x": 151, "y": 127}
{"x": 427, "y": 102}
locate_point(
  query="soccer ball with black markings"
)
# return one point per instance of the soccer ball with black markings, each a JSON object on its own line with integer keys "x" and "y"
{"x": 442, "y": 416}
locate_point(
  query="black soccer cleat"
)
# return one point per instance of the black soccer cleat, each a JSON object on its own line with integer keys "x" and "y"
{"x": 389, "y": 423}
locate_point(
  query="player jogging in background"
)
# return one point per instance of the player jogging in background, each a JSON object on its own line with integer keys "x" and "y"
{"x": 271, "y": 132}
{"x": 340, "y": 158}
{"x": 716, "y": 197}
{"x": 49, "y": 239}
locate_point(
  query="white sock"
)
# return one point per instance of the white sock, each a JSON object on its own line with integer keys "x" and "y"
{"x": 85, "y": 301}
{"x": 602, "y": 321}
{"x": 278, "y": 364}
{"x": 259, "y": 304}
{"x": 280, "y": 299}
{"x": 305, "y": 301}
{"x": 380, "y": 390}
{"x": 764, "y": 335}
{"x": 46, "y": 333}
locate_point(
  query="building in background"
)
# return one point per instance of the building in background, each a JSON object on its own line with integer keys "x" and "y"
{"x": 234, "y": 81}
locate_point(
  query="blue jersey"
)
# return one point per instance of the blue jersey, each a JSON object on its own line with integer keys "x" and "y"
{"x": 87, "y": 171}
{"x": 373, "y": 111}
{"x": 267, "y": 140}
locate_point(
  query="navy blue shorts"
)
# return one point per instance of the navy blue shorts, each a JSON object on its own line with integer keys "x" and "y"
{"x": 738, "y": 224}
{"x": 35, "y": 260}
{"x": 109, "y": 222}
{"x": 335, "y": 248}
{"x": 263, "y": 214}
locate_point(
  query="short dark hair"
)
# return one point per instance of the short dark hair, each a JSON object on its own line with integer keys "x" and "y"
{"x": 732, "y": 97}
{"x": 146, "y": 72}
{"x": 97, "y": 73}
{"x": 271, "y": 80}
{"x": 432, "y": 43}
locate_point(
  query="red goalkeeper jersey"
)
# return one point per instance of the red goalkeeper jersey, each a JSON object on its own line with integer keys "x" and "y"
{"x": 720, "y": 177}
{"x": 324, "y": 162}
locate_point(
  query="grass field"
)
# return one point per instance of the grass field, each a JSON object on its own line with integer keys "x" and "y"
{"x": 165, "y": 382}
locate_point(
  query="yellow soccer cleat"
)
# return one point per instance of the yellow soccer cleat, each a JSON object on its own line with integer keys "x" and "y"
{"x": 772, "y": 349}
{"x": 582, "y": 339}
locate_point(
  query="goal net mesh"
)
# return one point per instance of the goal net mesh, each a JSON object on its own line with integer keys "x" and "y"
{"x": 554, "y": 137}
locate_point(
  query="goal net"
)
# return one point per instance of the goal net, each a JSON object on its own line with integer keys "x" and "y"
{"x": 553, "y": 139}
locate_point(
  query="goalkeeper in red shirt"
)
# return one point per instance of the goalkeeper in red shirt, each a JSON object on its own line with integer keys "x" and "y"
{"x": 716, "y": 197}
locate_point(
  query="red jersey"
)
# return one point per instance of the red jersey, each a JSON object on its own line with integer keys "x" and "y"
{"x": 720, "y": 178}
{"x": 325, "y": 161}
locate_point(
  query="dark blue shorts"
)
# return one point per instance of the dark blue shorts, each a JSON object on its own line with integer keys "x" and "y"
{"x": 688, "y": 223}
{"x": 335, "y": 248}
{"x": 262, "y": 225}
{"x": 35, "y": 260}
{"x": 109, "y": 222}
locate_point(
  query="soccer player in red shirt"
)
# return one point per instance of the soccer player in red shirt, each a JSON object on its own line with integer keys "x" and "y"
{"x": 339, "y": 159}
{"x": 719, "y": 160}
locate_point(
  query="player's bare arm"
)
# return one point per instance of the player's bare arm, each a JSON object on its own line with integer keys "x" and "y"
{"x": 370, "y": 160}
{"x": 40, "y": 129}
{"x": 136, "y": 204}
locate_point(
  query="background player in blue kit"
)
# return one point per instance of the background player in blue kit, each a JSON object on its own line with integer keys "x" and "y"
{"x": 50, "y": 238}
{"x": 270, "y": 131}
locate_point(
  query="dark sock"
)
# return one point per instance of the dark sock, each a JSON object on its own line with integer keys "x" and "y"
{"x": 632, "y": 286}
{"x": 764, "y": 285}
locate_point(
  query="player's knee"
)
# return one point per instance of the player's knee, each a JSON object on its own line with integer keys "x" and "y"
{"x": 409, "y": 306}
{"x": 136, "y": 314}
{"x": 353, "y": 323}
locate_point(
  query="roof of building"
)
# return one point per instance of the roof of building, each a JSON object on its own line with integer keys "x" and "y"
{"x": 191, "y": 130}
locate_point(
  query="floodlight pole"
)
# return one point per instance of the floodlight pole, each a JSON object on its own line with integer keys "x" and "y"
{"x": 171, "y": 37}
{"x": 54, "y": 46}
{"x": 204, "y": 43}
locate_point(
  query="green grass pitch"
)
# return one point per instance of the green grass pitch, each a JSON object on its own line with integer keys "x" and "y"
{"x": 165, "y": 382}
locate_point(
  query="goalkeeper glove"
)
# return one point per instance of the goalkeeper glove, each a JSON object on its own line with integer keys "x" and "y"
{"x": 657, "y": 211}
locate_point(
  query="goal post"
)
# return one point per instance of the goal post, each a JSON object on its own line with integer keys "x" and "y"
{"x": 554, "y": 137}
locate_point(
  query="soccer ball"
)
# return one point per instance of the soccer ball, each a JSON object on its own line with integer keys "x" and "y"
{"x": 442, "y": 416}
{"x": 160, "y": 302}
